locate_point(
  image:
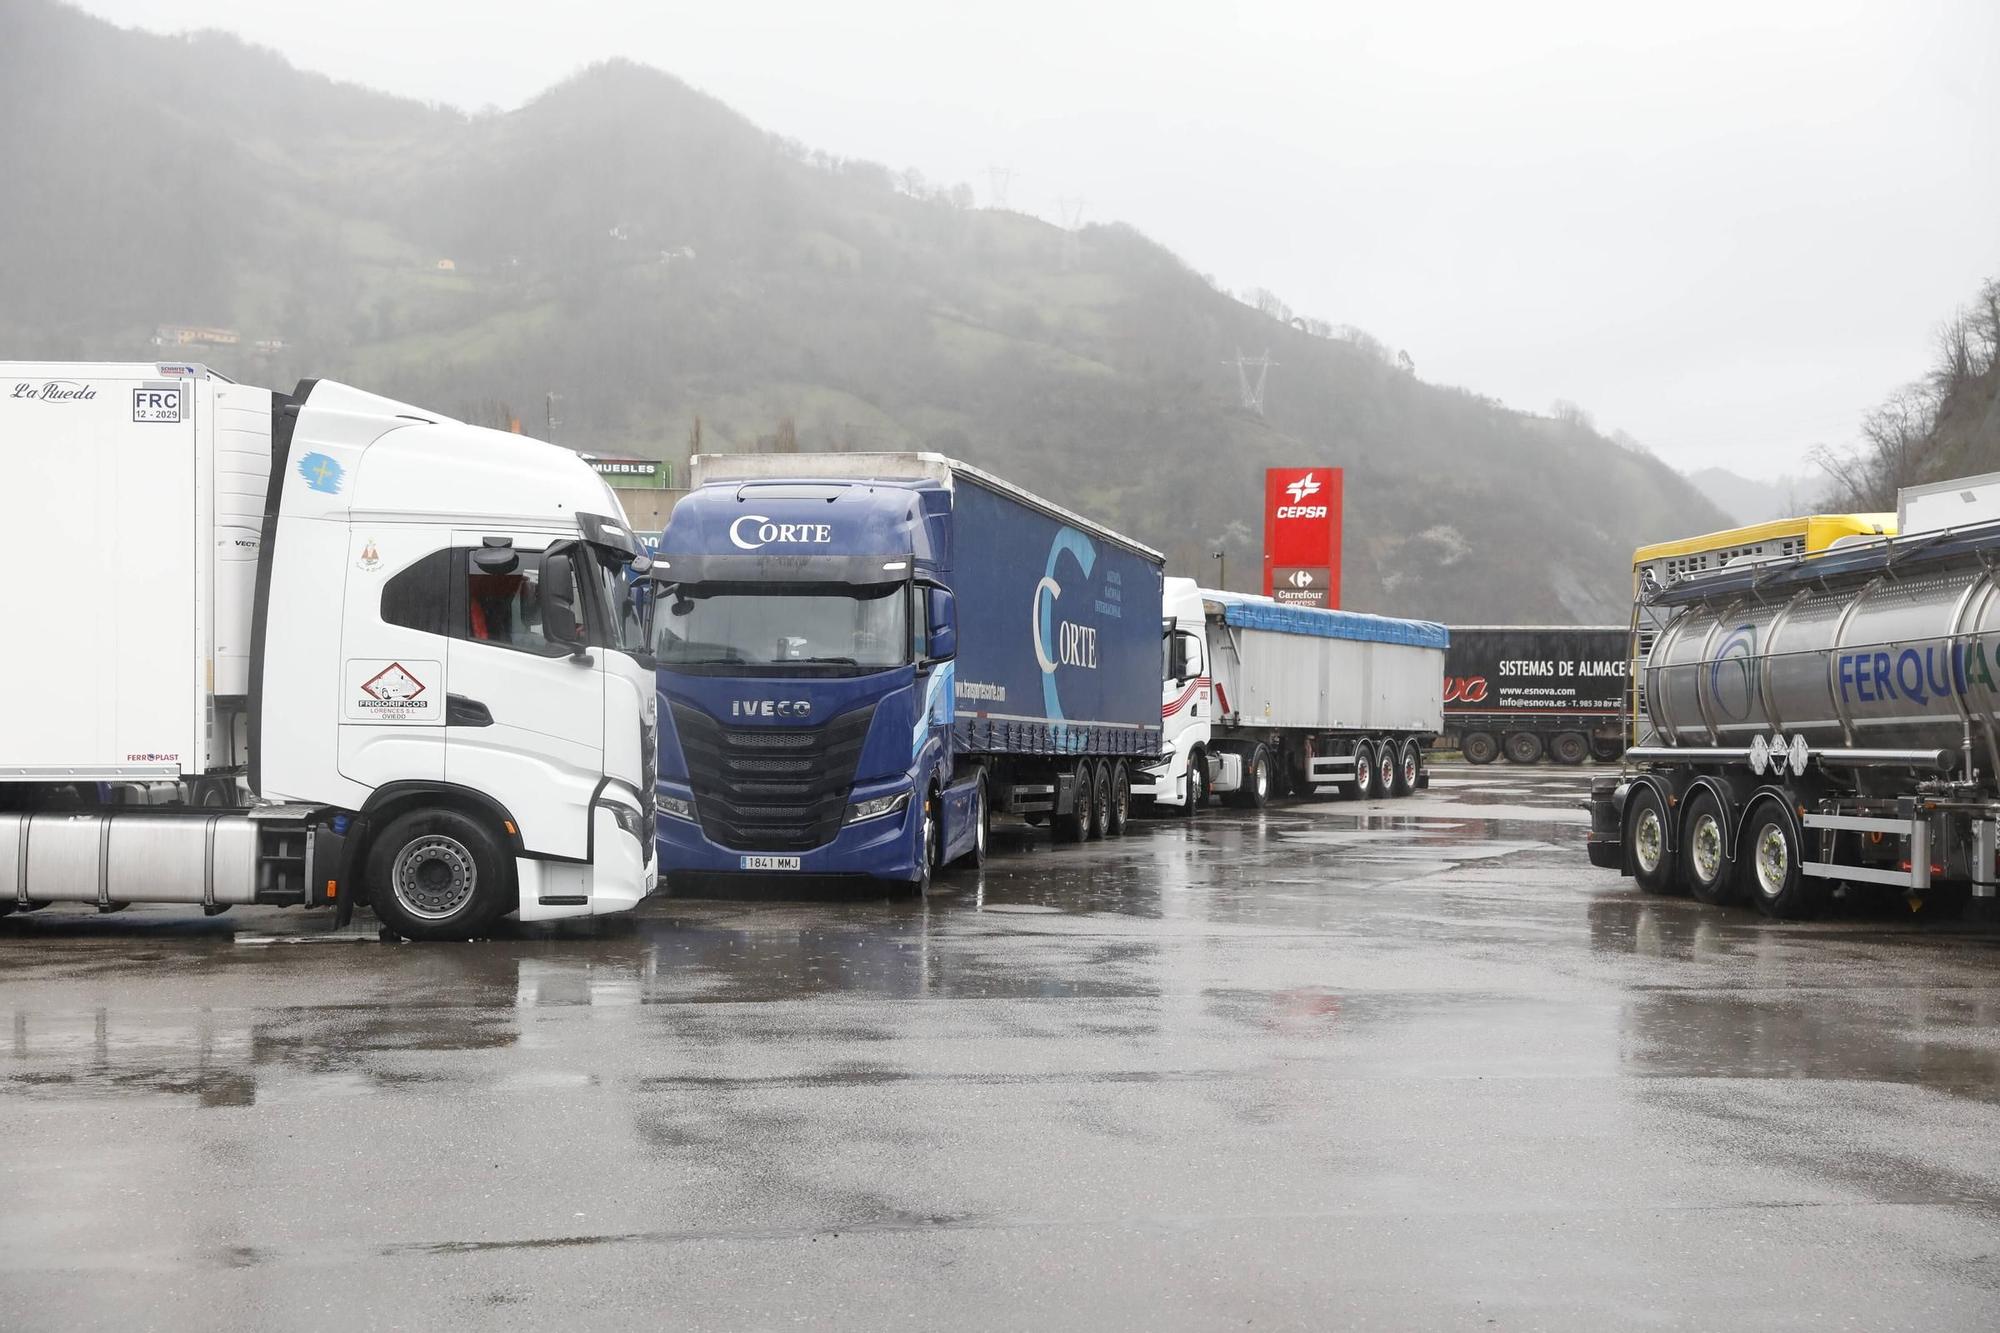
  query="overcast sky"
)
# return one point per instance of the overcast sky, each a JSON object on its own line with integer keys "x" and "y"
{"x": 1728, "y": 228}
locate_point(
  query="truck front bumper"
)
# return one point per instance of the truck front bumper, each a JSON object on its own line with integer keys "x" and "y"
{"x": 1163, "y": 783}
{"x": 880, "y": 848}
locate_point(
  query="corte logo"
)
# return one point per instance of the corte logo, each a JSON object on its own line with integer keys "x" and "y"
{"x": 770, "y": 707}
{"x": 767, "y": 532}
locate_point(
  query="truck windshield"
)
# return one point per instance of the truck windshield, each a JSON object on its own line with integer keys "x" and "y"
{"x": 832, "y": 626}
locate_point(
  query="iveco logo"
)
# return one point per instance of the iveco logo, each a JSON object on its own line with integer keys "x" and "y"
{"x": 770, "y": 707}
{"x": 748, "y": 538}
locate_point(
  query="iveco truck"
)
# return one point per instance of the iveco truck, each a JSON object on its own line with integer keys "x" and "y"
{"x": 863, "y": 658}
{"x": 1817, "y": 720}
{"x": 312, "y": 648}
{"x": 1261, "y": 698}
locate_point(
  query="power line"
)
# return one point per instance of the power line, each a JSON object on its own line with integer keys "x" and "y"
{"x": 1252, "y": 388}
{"x": 1072, "y": 222}
{"x": 997, "y": 181}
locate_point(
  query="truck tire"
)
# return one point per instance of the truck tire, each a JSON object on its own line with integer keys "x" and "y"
{"x": 1646, "y": 837}
{"x": 1522, "y": 747}
{"x": 1100, "y": 802}
{"x": 1197, "y": 784}
{"x": 1255, "y": 793}
{"x": 1121, "y": 800}
{"x": 1387, "y": 759}
{"x": 439, "y": 875}
{"x": 1478, "y": 747}
{"x": 982, "y": 827}
{"x": 1364, "y": 772}
{"x": 1607, "y": 749}
{"x": 1074, "y": 826}
{"x": 1409, "y": 765}
{"x": 1705, "y": 851}
{"x": 1569, "y": 747}
{"x": 1773, "y": 867}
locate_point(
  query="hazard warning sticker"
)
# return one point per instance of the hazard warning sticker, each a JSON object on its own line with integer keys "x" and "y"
{"x": 394, "y": 691}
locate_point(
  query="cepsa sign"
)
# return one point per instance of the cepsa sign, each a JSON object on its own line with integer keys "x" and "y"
{"x": 1302, "y": 535}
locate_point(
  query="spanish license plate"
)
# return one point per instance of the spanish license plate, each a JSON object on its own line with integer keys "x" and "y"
{"x": 770, "y": 863}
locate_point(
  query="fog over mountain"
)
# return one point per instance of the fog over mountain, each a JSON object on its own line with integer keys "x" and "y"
{"x": 655, "y": 260}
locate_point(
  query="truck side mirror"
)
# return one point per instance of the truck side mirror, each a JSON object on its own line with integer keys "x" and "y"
{"x": 941, "y": 639}
{"x": 560, "y": 622}
{"x": 496, "y": 556}
{"x": 1177, "y": 658}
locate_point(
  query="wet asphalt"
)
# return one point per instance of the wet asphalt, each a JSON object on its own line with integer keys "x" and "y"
{"x": 1405, "y": 1065}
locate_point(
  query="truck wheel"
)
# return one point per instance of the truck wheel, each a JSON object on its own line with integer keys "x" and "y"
{"x": 1773, "y": 876}
{"x": 1121, "y": 800}
{"x": 1197, "y": 784}
{"x": 439, "y": 875}
{"x": 1569, "y": 747}
{"x": 1522, "y": 747}
{"x": 1073, "y": 826}
{"x": 1409, "y": 764}
{"x": 1255, "y": 793}
{"x": 1607, "y": 749}
{"x": 1707, "y": 851}
{"x": 982, "y": 827}
{"x": 1100, "y": 801}
{"x": 1646, "y": 835}
{"x": 1478, "y": 747}
{"x": 1364, "y": 772}
{"x": 1386, "y": 760}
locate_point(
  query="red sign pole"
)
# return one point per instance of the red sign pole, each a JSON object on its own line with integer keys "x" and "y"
{"x": 1302, "y": 535}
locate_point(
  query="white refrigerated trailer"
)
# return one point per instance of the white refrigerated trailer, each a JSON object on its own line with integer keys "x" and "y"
{"x": 301, "y": 648}
{"x": 1261, "y": 699}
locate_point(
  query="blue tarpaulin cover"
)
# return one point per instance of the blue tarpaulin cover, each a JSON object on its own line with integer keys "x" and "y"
{"x": 1263, "y": 613}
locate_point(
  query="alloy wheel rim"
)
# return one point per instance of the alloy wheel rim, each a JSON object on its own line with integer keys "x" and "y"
{"x": 1648, "y": 841}
{"x": 434, "y": 877}
{"x": 1707, "y": 849}
{"x": 1773, "y": 860}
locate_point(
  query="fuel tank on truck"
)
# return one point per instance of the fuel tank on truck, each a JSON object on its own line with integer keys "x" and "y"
{"x": 1895, "y": 644}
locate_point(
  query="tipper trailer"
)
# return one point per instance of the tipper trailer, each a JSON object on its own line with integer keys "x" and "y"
{"x": 1814, "y": 720}
{"x": 864, "y": 657}
{"x": 1534, "y": 691}
{"x": 1262, "y": 699}
{"x": 302, "y": 648}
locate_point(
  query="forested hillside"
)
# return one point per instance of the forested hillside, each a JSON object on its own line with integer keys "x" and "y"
{"x": 654, "y": 259}
{"x": 1945, "y": 425}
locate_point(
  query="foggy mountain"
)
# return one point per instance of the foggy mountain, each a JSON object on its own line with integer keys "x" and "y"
{"x": 653, "y": 258}
{"x": 1748, "y": 500}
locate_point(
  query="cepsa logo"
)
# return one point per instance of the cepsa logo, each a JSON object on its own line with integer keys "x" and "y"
{"x": 1301, "y": 490}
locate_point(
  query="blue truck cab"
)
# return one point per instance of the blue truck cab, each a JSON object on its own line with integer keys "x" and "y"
{"x": 862, "y": 658}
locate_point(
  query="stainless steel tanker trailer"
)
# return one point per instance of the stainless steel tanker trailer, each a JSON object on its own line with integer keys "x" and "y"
{"x": 1821, "y": 720}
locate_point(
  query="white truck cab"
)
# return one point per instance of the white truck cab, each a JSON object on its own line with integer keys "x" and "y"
{"x": 324, "y": 646}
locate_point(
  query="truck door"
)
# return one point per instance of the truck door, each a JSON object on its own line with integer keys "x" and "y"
{"x": 524, "y": 722}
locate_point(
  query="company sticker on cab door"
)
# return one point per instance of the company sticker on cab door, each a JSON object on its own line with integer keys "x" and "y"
{"x": 406, "y": 691}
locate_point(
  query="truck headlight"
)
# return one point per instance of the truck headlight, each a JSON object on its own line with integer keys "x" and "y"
{"x": 632, "y": 821}
{"x": 675, "y": 806}
{"x": 877, "y": 806}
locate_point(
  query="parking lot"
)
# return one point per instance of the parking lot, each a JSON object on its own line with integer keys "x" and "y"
{"x": 1405, "y": 1065}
